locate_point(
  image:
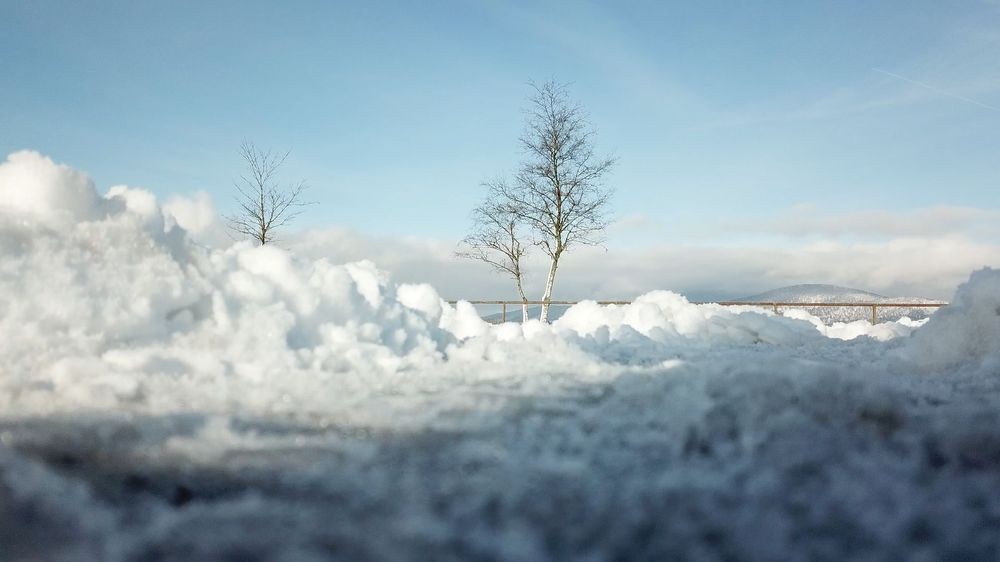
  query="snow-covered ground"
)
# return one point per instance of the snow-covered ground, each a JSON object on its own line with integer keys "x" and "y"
{"x": 164, "y": 401}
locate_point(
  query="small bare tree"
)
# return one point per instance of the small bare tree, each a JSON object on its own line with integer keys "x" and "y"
{"x": 559, "y": 190}
{"x": 264, "y": 204}
{"x": 496, "y": 237}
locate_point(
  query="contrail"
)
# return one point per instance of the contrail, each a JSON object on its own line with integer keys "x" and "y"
{"x": 938, "y": 90}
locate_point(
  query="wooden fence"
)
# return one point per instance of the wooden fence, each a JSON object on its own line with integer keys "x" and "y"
{"x": 775, "y": 306}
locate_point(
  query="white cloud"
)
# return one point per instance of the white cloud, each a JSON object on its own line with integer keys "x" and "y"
{"x": 903, "y": 266}
{"x": 923, "y": 252}
{"x": 929, "y": 267}
{"x": 634, "y": 222}
{"x": 926, "y": 252}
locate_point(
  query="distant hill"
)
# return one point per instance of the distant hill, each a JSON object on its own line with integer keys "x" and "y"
{"x": 817, "y": 293}
{"x": 835, "y": 293}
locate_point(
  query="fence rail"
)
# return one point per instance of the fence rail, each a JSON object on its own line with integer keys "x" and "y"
{"x": 776, "y": 306}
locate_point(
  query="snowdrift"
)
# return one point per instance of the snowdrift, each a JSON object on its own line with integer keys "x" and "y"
{"x": 164, "y": 400}
{"x": 967, "y": 332}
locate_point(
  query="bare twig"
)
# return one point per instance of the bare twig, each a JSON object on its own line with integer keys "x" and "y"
{"x": 264, "y": 205}
{"x": 496, "y": 236}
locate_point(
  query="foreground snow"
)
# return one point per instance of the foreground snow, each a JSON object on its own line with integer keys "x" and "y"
{"x": 165, "y": 401}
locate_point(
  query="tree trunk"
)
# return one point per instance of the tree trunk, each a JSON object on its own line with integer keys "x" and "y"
{"x": 549, "y": 281}
{"x": 524, "y": 299}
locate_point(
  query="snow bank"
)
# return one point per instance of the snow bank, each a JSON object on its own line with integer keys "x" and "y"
{"x": 883, "y": 331}
{"x": 104, "y": 302}
{"x": 967, "y": 331}
{"x": 663, "y": 317}
{"x": 33, "y": 186}
{"x": 104, "y": 296}
{"x": 162, "y": 400}
{"x": 666, "y": 317}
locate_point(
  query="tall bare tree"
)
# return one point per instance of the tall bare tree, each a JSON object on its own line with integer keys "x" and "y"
{"x": 496, "y": 237}
{"x": 265, "y": 205}
{"x": 559, "y": 191}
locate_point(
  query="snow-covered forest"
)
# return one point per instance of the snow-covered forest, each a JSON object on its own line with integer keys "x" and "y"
{"x": 162, "y": 400}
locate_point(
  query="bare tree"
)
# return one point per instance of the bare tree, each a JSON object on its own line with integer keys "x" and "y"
{"x": 496, "y": 237}
{"x": 264, "y": 204}
{"x": 559, "y": 191}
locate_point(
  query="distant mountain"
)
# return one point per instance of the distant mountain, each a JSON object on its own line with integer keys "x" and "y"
{"x": 832, "y": 293}
{"x": 814, "y": 293}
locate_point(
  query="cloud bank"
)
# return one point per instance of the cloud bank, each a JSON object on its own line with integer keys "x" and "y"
{"x": 923, "y": 252}
{"x": 910, "y": 263}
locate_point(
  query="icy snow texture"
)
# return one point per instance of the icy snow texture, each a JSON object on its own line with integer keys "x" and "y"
{"x": 165, "y": 401}
{"x": 966, "y": 332}
{"x": 35, "y": 187}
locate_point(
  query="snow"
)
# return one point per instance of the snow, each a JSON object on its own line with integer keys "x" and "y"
{"x": 163, "y": 400}
{"x": 965, "y": 333}
{"x": 31, "y": 185}
{"x": 883, "y": 331}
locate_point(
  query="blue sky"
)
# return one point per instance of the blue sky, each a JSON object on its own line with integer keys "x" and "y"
{"x": 729, "y": 119}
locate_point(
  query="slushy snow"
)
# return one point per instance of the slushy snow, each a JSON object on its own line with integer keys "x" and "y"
{"x": 165, "y": 401}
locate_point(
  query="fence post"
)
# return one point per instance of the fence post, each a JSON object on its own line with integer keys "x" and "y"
{"x": 503, "y": 312}
{"x": 775, "y": 305}
{"x": 874, "y": 315}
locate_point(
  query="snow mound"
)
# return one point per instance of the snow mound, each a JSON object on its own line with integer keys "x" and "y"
{"x": 109, "y": 300}
{"x": 668, "y": 318}
{"x": 33, "y": 185}
{"x": 663, "y": 316}
{"x": 967, "y": 331}
{"x": 883, "y": 331}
